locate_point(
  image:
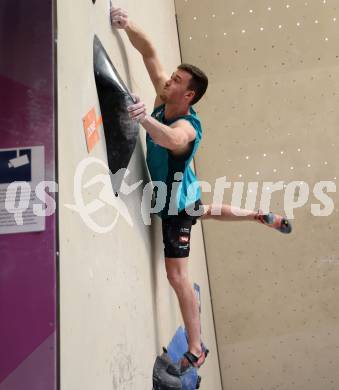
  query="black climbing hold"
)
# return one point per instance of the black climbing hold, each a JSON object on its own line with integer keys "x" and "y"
{"x": 114, "y": 98}
{"x": 162, "y": 380}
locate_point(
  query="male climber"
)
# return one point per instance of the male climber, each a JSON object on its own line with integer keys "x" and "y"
{"x": 173, "y": 136}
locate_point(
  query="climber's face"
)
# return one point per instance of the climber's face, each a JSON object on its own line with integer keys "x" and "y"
{"x": 177, "y": 88}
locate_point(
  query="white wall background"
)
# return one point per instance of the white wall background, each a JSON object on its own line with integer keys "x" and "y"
{"x": 116, "y": 306}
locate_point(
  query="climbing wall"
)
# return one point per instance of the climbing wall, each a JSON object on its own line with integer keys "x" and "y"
{"x": 270, "y": 122}
{"x": 116, "y": 307}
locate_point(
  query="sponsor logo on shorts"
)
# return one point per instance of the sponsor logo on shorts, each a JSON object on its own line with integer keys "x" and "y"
{"x": 183, "y": 238}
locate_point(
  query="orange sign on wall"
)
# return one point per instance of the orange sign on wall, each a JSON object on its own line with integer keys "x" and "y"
{"x": 91, "y": 125}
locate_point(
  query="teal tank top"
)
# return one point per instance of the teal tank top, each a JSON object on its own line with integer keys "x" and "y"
{"x": 175, "y": 172}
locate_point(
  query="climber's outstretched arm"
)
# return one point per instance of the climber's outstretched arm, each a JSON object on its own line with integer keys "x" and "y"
{"x": 143, "y": 44}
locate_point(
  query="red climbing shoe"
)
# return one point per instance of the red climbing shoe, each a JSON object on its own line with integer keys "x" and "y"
{"x": 274, "y": 221}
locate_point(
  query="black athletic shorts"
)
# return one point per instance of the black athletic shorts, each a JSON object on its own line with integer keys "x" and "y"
{"x": 176, "y": 232}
